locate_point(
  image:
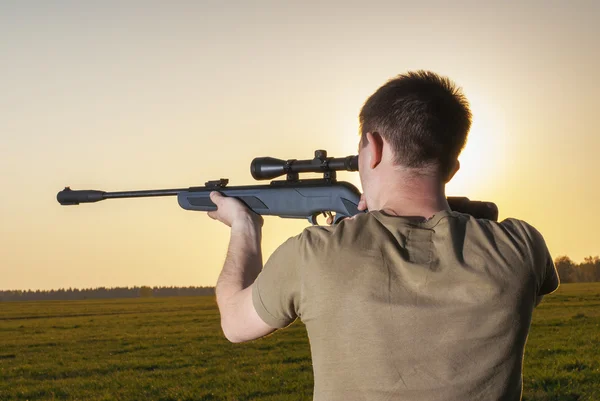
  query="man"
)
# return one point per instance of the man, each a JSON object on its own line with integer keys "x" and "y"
{"x": 409, "y": 301}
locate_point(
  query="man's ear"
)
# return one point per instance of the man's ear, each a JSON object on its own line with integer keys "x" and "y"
{"x": 375, "y": 148}
{"x": 454, "y": 170}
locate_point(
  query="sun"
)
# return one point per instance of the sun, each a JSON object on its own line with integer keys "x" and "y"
{"x": 482, "y": 158}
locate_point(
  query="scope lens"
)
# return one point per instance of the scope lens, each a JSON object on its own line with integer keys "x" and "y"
{"x": 266, "y": 168}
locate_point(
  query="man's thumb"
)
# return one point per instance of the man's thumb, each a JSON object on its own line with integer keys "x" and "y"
{"x": 362, "y": 204}
{"x": 216, "y": 197}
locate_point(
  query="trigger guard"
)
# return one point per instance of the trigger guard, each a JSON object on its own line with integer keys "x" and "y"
{"x": 338, "y": 218}
{"x": 313, "y": 219}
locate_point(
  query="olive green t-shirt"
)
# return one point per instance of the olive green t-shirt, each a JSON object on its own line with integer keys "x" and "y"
{"x": 400, "y": 308}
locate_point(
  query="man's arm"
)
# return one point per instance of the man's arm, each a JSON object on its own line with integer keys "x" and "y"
{"x": 239, "y": 319}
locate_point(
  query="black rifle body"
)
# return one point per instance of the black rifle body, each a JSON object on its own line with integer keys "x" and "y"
{"x": 302, "y": 200}
{"x": 290, "y": 198}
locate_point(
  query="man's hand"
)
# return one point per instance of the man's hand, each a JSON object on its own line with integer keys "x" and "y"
{"x": 229, "y": 210}
{"x": 362, "y": 205}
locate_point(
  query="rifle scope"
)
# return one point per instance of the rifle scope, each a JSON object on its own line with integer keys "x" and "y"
{"x": 267, "y": 168}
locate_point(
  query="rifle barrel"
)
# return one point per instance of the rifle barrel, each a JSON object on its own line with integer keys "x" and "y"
{"x": 70, "y": 197}
{"x": 144, "y": 193}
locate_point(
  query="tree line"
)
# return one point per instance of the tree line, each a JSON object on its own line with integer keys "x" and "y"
{"x": 568, "y": 271}
{"x": 571, "y": 272}
{"x": 63, "y": 294}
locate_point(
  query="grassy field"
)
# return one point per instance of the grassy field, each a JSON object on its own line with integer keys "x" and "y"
{"x": 173, "y": 349}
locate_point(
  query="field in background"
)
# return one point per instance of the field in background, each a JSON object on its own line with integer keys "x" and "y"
{"x": 173, "y": 349}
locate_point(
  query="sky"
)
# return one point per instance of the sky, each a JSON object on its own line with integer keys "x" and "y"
{"x": 143, "y": 95}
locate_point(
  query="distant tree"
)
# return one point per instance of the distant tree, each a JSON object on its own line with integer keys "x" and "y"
{"x": 566, "y": 269}
{"x": 590, "y": 269}
{"x": 146, "y": 292}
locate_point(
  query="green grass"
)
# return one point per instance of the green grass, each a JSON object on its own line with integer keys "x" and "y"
{"x": 562, "y": 357}
{"x": 173, "y": 349}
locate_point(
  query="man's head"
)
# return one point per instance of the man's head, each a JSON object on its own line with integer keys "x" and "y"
{"x": 424, "y": 117}
{"x": 417, "y": 122}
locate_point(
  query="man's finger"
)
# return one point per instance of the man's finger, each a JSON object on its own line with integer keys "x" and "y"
{"x": 212, "y": 215}
{"x": 362, "y": 204}
{"x": 216, "y": 197}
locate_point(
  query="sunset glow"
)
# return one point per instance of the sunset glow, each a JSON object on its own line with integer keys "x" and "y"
{"x": 122, "y": 97}
{"x": 482, "y": 158}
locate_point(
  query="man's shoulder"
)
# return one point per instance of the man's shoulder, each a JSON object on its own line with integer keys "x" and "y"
{"x": 350, "y": 231}
{"x": 541, "y": 259}
{"x": 524, "y": 229}
{"x": 518, "y": 235}
{"x": 510, "y": 225}
{"x": 514, "y": 233}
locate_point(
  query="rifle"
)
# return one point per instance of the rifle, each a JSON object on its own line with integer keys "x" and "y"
{"x": 290, "y": 198}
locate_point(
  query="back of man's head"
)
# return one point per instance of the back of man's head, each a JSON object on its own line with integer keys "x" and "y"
{"x": 423, "y": 116}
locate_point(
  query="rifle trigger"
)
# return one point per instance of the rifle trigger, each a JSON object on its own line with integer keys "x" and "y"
{"x": 328, "y": 216}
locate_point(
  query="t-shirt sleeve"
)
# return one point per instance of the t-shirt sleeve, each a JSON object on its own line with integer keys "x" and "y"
{"x": 548, "y": 280}
{"x": 277, "y": 289}
{"x": 551, "y": 280}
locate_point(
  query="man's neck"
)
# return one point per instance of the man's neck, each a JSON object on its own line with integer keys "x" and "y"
{"x": 409, "y": 195}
